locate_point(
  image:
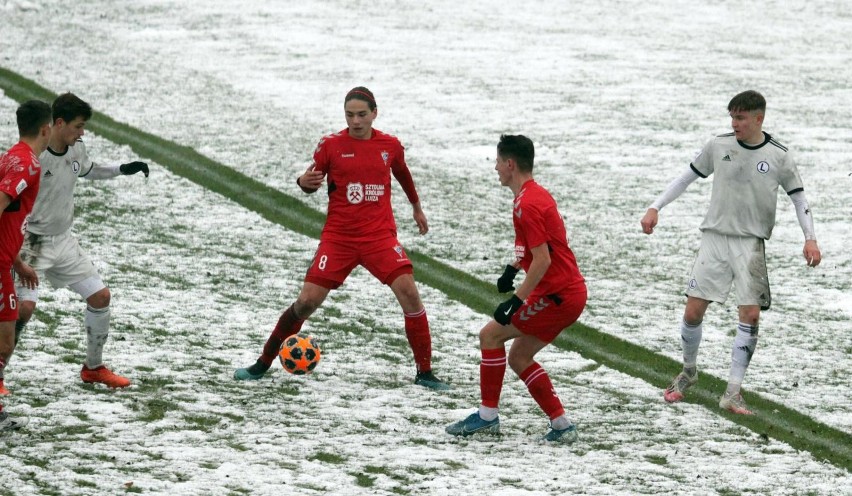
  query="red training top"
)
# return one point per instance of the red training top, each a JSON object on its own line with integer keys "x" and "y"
{"x": 537, "y": 221}
{"x": 20, "y": 175}
{"x": 359, "y": 188}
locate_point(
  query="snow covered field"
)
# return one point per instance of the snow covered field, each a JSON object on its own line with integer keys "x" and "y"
{"x": 616, "y": 97}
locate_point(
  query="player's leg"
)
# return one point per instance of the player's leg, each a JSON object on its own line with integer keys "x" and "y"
{"x": 33, "y": 254}
{"x": 540, "y": 387}
{"x": 492, "y": 370}
{"x": 751, "y": 281}
{"x": 7, "y": 343}
{"x": 709, "y": 281}
{"x": 7, "y": 422}
{"x": 540, "y": 320}
{"x": 8, "y": 316}
{"x": 745, "y": 343}
{"x": 690, "y": 339}
{"x": 310, "y": 298}
{"x": 387, "y": 261}
{"x": 416, "y": 328}
{"x": 97, "y": 324}
{"x": 329, "y": 268}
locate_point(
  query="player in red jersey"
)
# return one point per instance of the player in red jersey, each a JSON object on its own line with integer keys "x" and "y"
{"x": 550, "y": 298}
{"x": 20, "y": 173}
{"x": 357, "y": 163}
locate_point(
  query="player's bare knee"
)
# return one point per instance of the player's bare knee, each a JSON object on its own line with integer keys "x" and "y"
{"x": 693, "y": 316}
{"x": 305, "y": 306}
{"x": 750, "y": 315}
{"x": 101, "y": 299}
{"x": 26, "y": 309}
{"x": 518, "y": 363}
{"x": 487, "y": 339}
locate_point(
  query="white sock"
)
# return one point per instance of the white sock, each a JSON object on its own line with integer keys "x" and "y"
{"x": 487, "y": 413}
{"x": 744, "y": 345}
{"x": 559, "y": 423}
{"x": 690, "y": 340}
{"x": 97, "y": 331}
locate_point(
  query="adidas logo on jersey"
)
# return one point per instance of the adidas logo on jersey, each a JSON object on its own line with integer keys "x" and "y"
{"x": 726, "y": 158}
{"x": 48, "y": 174}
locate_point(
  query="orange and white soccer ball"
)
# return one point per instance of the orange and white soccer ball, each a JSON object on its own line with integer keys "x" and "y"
{"x": 299, "y": 355}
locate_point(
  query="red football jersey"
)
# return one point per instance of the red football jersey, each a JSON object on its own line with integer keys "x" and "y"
{"x": 537, "y": 221}
{"x": 20, "y": 174}
{"x": 359, "y": 188}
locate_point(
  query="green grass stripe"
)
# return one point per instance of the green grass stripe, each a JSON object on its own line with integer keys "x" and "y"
{"x": 772, "y": 420}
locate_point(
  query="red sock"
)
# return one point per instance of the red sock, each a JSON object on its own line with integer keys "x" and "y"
{"x": 492, "y": 369}
{"x": 541, "y": 389}
{"x": 417, "y": 332}
{"x": 288, "y": 325}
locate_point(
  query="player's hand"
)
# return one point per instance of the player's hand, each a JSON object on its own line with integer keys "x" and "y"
{"x": 133, "y": 168}
{"x": 311, "y": 180}
{"x": 506, "y": 282}
{"x": 649, "y": 221}
{"x": 811, "y": 253}
{"x": 420, "y": 219}
{"x": 27, "y": 276}
{"x": 503, "y": 313}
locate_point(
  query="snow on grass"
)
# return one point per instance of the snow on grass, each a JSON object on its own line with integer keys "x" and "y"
{"x": 617, "y": 99}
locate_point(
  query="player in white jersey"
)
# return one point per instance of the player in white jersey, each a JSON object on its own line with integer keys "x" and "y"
{"x": 748, "y": 166}
{"x": 51, "y": 249}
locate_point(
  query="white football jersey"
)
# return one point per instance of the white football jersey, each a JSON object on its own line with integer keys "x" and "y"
{"x": 745, "y": 184}
{"x": 53, "y": 212}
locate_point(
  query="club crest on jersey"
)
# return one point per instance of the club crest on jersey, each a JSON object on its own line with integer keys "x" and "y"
{"x": 355, "y": 193}
{"x": 762, "y": 167}
{"x": 398, "y": 250}
{"x": 385, "y": 156}
{"x": 75, "y": 166}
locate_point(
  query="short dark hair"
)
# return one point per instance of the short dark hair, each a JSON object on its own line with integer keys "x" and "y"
{"x": 69, "y": 106}
{"x": 363, "y": 94}
{"x": 747, "y": 101}
{"x": 32, "y": 115}
{"x": 517, "y": 147}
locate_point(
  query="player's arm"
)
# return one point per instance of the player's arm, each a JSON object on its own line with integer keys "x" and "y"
{"x": 5, "y": 201}
{"x": 806, "y": 221}
{"x": 538, "y": 267}
{"x": 403, "y": 176}
{"x": 672, "y": 192}
{"x": 108, "y": 171}
{"x": 27, "y": 276}
{"x": 311, "y": 180}
{"x": 540, "y": 263}
{"x": 93, "y": 171}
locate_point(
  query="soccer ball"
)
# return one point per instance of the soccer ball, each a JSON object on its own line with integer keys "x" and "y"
{"x": 299, "y": 355}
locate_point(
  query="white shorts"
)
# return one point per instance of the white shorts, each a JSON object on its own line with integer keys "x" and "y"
{"x": 61, "y": 260}
{"x": 723, "y": 261}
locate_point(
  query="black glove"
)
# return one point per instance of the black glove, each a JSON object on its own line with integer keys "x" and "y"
{"x": 506, "y": 282}
{"x": 133, "y": 168}
{"x": 505, "y": 310}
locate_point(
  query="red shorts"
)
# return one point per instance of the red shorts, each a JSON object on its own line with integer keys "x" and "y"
{"x": 8, "y": 299}
{"x": 335, "y": 260}
{"x": 545, "y": 316}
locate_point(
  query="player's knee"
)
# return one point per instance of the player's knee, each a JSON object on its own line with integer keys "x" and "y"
{"x": 101, "y": 299}
{"x": 487, "y": 340}
{"x": 518, "y": 363}
{"x": 26, "y": 309}
{"x": 305, "y": 306}
{"x": 693, "y": 316}
{"x": 749, "y": 315}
